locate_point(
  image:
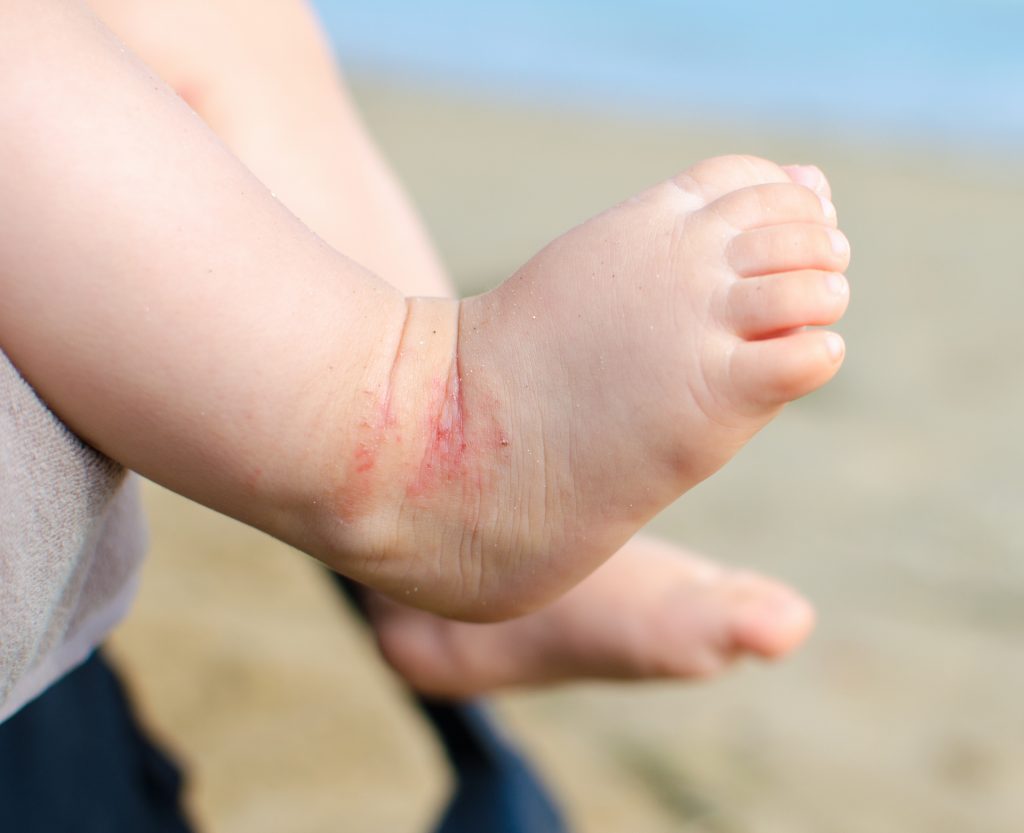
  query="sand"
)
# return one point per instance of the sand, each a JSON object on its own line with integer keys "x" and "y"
{"x": 893, "y": 499}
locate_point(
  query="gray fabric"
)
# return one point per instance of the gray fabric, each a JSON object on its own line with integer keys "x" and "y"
{"x": 71, "y": 538}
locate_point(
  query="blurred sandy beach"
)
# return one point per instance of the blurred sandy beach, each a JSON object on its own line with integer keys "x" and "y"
{"x": 893, "y": 499}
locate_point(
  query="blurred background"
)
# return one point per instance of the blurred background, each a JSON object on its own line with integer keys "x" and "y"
{"x": 893, "y": 498}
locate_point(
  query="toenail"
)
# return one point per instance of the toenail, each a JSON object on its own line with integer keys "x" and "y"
{"x": 834, "y": 345}
{"x": 837, "y": 284}
{"x": 827, "y": 207}
{"x": 810, "y": 176}
{"x": 839, "y": 243}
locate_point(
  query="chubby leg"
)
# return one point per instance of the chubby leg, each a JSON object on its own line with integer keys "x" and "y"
{"x": 263, "y": 77}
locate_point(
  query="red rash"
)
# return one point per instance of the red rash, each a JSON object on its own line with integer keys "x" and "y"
{"x": 366, "y": 458}
{"x": 444, "y": 456}
{"x": 446, "y": 452}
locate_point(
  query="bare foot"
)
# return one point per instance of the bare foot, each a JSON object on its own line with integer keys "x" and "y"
{"x": 652, "y": 611}
{"x": 524, "y": 436}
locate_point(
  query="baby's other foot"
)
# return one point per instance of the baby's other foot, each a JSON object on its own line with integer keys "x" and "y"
{"x": 652, "y": 611}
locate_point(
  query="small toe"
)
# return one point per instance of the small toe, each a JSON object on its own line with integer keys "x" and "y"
{"x": 773, "y": 204}
{"x": 788, "y": 248}
{"x": 760, "y": 307}
{"x": 777, "y": 370}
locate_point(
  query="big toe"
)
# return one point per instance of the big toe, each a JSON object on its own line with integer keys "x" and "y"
{"x": 770, "y": 619}
{"x": 711, "y": 624}
{"x": 720, "y": 175}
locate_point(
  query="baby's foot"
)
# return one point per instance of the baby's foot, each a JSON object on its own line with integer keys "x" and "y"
{"x": 652, "y": 611}
{"x": 526, "y": 435}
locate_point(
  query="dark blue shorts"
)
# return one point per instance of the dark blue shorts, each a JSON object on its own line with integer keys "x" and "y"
{"x": 76, "y": 761}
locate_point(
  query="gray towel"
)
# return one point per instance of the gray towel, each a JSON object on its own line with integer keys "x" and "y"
{"x": 71, "y": 539}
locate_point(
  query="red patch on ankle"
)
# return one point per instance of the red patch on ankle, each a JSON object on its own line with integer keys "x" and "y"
{"x": 454, "y": 455}
{"x": 366, "y": 457}
{"x": 445, "y": 454}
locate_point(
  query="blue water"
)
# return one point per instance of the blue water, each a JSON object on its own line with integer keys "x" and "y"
{"x": 942, "y": 71}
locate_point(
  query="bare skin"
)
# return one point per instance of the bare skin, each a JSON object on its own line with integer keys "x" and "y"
{"x": 426, "y": 477}
{"x": 653, "y": 609}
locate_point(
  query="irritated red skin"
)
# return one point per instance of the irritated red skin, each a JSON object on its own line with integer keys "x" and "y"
{"x": 366, "y": 453}
{"x": 453, "y": 454}
{"x": 366, "y": 458}
{"x": 445, "y": 455}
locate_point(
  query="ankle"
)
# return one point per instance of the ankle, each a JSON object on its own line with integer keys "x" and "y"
{"x": 404, "y": 494}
